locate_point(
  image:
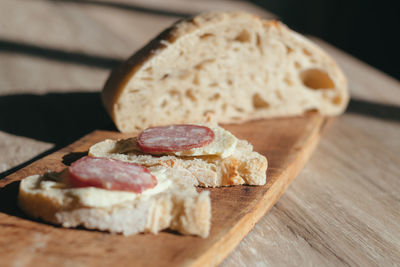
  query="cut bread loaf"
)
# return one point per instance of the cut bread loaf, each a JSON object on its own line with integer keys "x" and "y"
{"x": 244, "y": 166}
{"x": 177, "y": 206}
{"x": 231, "y": 66}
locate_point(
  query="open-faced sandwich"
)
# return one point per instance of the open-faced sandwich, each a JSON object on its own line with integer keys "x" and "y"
{"x": 218, "y": 67}
{"x": 146, "y": 183}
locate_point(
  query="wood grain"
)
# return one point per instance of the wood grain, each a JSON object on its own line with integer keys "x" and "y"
{"x": 287, "y": 143}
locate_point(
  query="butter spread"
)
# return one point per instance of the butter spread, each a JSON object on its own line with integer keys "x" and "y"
{"x": 94, "y": 197}
{"x": 223, "y": 145}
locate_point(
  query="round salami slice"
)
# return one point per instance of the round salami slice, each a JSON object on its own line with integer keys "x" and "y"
{"x": 110, "y": 174}
{"x": 174, "y": 138}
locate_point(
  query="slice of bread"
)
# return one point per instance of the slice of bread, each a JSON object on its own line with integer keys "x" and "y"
{"x": 230, "y": 66}
{"x": 244, "y": 166}
{"x": 178, "y": 206}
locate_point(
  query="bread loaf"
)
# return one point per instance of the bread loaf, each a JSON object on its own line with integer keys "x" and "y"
{"x": 229, "y": 66}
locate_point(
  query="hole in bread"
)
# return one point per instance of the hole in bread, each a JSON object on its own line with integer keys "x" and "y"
{"x": 213, "y": 84}
{"x": 184, "y": 75}
{"x": 164, "y": 103}
{"x": 259, "y": 102}
{"x": 198, "y": 66}
{"x": 181, "y": 53}
{"x": 258, "y": 43}
{"x": 196, "y": 79}
{"x": 213, "y": 167}
{"x": 134, "y": 91}
{"x": 224, "y": 107}
{"x": 288, "y": 49}
{"x": 214, "y": 97}
{"x": 337, "y": 100}
{"x": 316, "y": 79}
{"x": 278, "y": 95}
{"x": 288, "y": 81}
{"x": 148, "y": 69}
{"x": 206, "y": 36}
{"x": 189, "y": 94}
{"x": 306, "y": 52}
{"x": 147, "y": 78}
{"x": 236, "y": 49}
{"x": 174, "y": 92}
{"x": 165, "y": 76}
{"x": 201, "y": 65}
{"x": 229, "y": 82}
{"x": 240, "y": 110}
{"x": 243, "y": 37}
{"x": 311, "y": 111}
{"x": 236, "y": 118}
{"x": 297, "y": 65}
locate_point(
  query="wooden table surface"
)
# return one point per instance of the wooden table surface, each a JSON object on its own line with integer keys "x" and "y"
{"x": 343, "y": 208}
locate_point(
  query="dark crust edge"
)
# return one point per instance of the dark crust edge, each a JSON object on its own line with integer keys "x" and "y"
{"x": 121, "y": 75}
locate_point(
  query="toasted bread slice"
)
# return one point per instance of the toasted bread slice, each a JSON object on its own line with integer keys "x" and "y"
{"x": 230, "y": 66}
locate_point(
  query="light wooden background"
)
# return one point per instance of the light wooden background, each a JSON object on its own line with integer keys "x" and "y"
{"x": 343, "y": 208}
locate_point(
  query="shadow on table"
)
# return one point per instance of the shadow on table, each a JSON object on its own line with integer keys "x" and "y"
{"x": 9, "y": 206}
{"x": 129, "y": 7}
{"x": 58, "y": 118}
{"x": 374, "y": 109}
{"x": 96, "y": 61}
{"x": 61, "y": 118}
{"x": 8, "y": 199}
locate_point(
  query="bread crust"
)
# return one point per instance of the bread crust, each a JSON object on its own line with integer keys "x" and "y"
{"x": 182, "y": 30}
{"x": 120, "y": 76}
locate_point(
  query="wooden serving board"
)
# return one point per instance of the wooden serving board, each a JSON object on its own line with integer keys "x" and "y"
{"x": 287, "y": 143}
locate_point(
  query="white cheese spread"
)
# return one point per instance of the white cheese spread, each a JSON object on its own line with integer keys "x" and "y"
{"x": 56, "y": 190}
{"x": 223, "y": 145}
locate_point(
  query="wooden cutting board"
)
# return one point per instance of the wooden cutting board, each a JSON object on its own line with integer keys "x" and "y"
{"x": 287, "y": 143}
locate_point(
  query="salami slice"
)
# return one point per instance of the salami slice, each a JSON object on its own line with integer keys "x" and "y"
{"x": 110, "y": 174}
{"x": 174, "y": 138}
